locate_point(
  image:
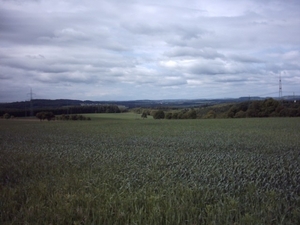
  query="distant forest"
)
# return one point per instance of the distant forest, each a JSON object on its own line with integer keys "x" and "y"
{"x": 262, "y": 108}
{"x": 62, "y": 110}
{"x": 256, "y": 108}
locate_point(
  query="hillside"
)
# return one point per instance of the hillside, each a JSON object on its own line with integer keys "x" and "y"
{"x": 205, "y": 108}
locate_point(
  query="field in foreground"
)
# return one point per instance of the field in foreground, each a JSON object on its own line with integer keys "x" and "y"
{"x": 123, "y": 170}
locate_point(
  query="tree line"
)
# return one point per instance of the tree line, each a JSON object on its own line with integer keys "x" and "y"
{"x": 166, "y": 114}
{"x": 266, "y": 108}
{"x": 50, "y": 116}
{"x": 63, "y": 110}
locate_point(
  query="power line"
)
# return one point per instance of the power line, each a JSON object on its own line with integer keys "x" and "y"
{"x": 31, "y": 101}
{"x": 280, "y": 87}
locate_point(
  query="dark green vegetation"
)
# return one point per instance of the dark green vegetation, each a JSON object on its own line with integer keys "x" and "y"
{"x": 248, "y": 109}
{"x": 45, "y": 116}
{"x": 266, "y": 108}
{"x": 59, "y": 103}
{"x": 72, "y": 117}
{"x": 73, "y": 109}
{"x": 50, "y": 116}
{"x": 191, "y": 109}
{"x": 121, "y": 169}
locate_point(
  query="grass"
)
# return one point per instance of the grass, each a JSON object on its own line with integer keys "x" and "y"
{"x": 120, "y": 169}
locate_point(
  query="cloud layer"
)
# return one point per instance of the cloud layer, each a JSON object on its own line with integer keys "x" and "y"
{"x": 124, "y": 50}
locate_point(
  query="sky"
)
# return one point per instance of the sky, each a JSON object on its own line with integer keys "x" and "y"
{"x": 142, "y": 49}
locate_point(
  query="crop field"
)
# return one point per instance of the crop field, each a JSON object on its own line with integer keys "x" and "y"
{"x": 120, "y": 169}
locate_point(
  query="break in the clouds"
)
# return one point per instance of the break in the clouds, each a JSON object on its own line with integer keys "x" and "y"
{"x": 139, "y": 49}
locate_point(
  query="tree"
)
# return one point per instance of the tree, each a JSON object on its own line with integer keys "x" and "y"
{"x": 240, "y": 114}
{"x": 144, "y": 115}
{"x": 230, "y": 114}
{"x": 74, "y": 117}
{"x": 251, "y": 113}
{"x": 6, "y": 116}
{"x": 182, "y": 114}
{"x": 40, "y": 115}
{"x": 192, "y": 114}
{"x": 168, "y": 115}
{"x": 65, "y": 117}
{"x": 175, "y": 115}
{"x": 49, "y": 115}
{"x": 159, "y": 115}
{"x": 211, "y": 115}
{"x": 269, "y": 106}
{"x": 45, "y": 115}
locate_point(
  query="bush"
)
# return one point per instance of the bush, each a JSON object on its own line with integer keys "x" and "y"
{"x": 192, "y": 114}
{"x": 45, "y": 115}
{"x": 73, "y": 117}
{"x": 182, "y": 115}
{"x": 159, "y": 115}
{"x": 210, "y": 115}
{"x": 175, "y": 115}
{"x": 6, "y": 116}
{"x": 144, "y": 115}
{"x": 168, "y": 115}
{"x": 240, "y": 114}
{"x": 152, "y": 112}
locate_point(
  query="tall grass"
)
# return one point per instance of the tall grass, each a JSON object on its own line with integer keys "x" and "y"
{"x": 127, "y": 171}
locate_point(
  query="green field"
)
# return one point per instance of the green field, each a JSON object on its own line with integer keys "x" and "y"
{"x": 121, "y": 169}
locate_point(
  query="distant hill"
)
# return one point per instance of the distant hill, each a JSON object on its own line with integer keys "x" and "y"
{"x": 66, "y": 106}
{"x": 228, "y": 107}
{"x": 179, "y": 103}
{"x": 170, "y": 103}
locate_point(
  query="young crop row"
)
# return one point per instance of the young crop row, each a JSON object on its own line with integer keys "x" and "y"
{"x": 150, "y": 172}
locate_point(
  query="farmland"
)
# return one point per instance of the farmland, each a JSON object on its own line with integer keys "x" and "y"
{"x": 120, "y": 169}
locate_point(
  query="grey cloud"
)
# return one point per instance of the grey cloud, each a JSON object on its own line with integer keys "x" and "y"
{"x": 171, "y": 81}
{"x": 207, "y": 53}
{"x": 147, "y": 46}
{"x": 19, "y": 27}
{"x": 75, "y": 77}
{"x": 231, "y": 80}
{"x": 70, "y": 34}
{"x": 35, "y": 56}
{"x": 208, "y": 69}
{"x": 215, "y": 67}
{"x": 246, "y": 59}
{"x": 4, "y": 76}
{"x": 145, "y": 29}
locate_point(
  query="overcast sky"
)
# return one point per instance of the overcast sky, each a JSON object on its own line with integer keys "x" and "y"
{"x": 142, "y": 49}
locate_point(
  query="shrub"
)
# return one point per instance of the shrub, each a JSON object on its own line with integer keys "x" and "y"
{"x": 175, "y": 115}
{"x": 144, "y": 115}
{"x": 210, "y": 115}
{"x": 240, "y": 114}
{"x": 45, "y": 115}
{"x": 6, "y": 116}
{"x": 168, "y": 115}
{"x": 182, "y": 115}
{"x": 192, "y": 114}
{"x": 159, "y": 115}
{"x": 73, "y": 117}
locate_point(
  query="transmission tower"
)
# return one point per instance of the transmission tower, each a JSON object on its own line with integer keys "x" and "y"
{"x": 280, "y": 87}
{"x": 31, "y": 102}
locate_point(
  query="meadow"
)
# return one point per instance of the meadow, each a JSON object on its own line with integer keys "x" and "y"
{"x": 121, "y": 169}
